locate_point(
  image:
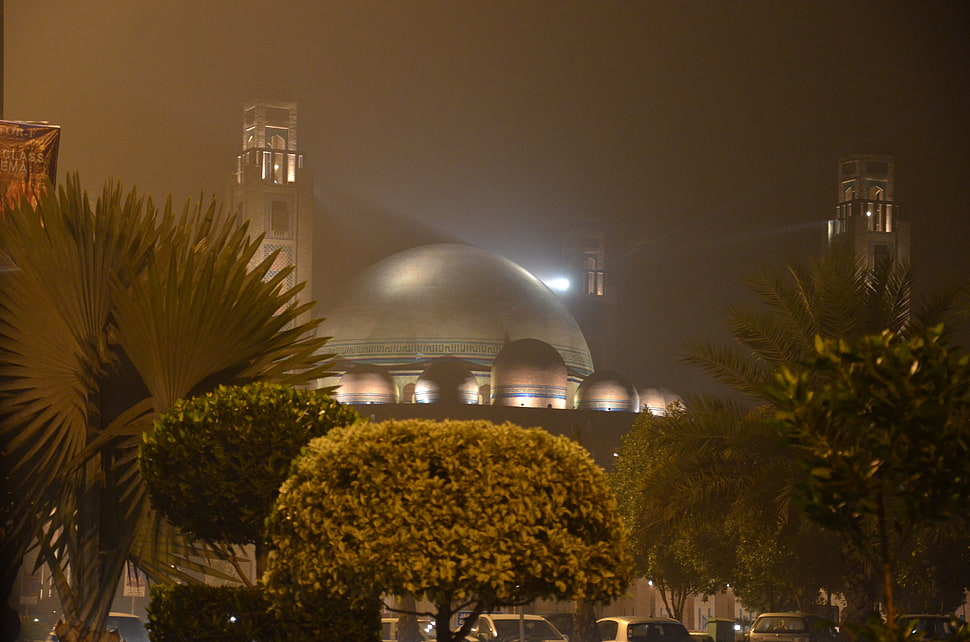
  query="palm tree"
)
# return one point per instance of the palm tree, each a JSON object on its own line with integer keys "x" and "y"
{"x": 834, "y": 296}
{"x": 699, "y": 491}
{"x": 831, "y": 297}
{"x": 114, "y": 313}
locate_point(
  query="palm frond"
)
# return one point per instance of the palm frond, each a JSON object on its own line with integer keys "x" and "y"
{"x": 195, "y": 315}
{"x": 116, "y": 311}
{"x": 729, "y": 365}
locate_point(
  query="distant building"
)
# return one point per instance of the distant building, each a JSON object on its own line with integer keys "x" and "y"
{"x": 866, "y": 214}
{"x": 271, "y": 190}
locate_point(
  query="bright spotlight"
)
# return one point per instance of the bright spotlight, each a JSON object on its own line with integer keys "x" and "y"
{"x": 559, "y": 284}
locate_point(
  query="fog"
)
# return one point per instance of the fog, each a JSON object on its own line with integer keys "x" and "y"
{"x": 704, "y": 135}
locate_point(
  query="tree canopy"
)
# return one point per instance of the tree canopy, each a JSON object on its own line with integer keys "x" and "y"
{"x": 881, "y": 425}
{"x": 699, "y": 490}
{"x": 831, "y": 297}
{"x": 466, "y": 514}
{"x": 213, "y": 464}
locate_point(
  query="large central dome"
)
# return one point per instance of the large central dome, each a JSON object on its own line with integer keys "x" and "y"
{"x": 451, "y": 300}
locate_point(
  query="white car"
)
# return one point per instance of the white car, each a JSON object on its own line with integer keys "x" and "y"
{"x": 389, "y": 629}
{"x": 504, "y": 627}
{"x": 632, "y": 628}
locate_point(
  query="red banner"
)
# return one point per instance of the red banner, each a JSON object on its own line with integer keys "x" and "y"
{"x": 28, "y": 158}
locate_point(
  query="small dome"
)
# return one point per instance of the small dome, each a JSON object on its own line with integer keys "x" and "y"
{"x": 657, "y": 400}
{"x": 446, "y": 380}
{"x": 364, "y": 383}
{"x": 607, "y": 391}
{"x": 529, "y": 373}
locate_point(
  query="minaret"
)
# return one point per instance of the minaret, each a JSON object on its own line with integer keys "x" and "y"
{"x": 590, "y": 298}
{"x": 867, "y": 217}
{"x": 272, "y": 191}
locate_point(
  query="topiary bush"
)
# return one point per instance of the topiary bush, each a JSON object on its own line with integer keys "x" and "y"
{"x": 468, "y": 515}
{"x": 201, "y": 612}
{"x": 244, "y": 614}
{"x": 213, "y": 464}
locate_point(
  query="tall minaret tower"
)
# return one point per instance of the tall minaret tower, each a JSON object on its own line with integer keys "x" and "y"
{"x": 272, "y": 191}
{"x": 866, "y": 215}
{"x": 591, "y": 299}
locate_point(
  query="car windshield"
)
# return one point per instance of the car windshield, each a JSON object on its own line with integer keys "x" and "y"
{"x": 534, "y": 630}
{"x": 657, "y": 632}
{"x": 780, "y": 624}
{"x": 390, "y": 631}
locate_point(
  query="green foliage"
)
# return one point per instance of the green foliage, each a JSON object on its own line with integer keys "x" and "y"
{"x": 833, "y": 297}
{"x": 214, "y": 464}
{"x": 881, "y": 428}
{"x": 699, "y": 491}
{"x": 466, "y": 514}
{"x": 244, "y": 614}
{"x": 331, "y": 617}
{"x": 877, "y": 629}
{"x": 670, "y": 547}
{"x": 200, "y": 612}
{"x": 114, "y": 313}
{"x": 933, "y": 574}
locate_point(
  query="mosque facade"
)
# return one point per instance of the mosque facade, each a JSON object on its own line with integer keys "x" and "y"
{"x": 453, "y": 323}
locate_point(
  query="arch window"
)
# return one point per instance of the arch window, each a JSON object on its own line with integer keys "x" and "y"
{"x": 276, "y": 142}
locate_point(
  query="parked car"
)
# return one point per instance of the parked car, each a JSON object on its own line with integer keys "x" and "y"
{"x": 389, "y": 629}
{"x": 641, "y": 629}
{"x": 792, "y": 627}
{"x": 504, "y": 627}
{"x": 933, "y": 627}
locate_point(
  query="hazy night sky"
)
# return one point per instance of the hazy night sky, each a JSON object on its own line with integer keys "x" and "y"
{"x": 705, "y": 135}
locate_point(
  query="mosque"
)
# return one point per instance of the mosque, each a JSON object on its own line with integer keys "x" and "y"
{"x": 452, "y": 323}
{"x": 447, "y": 330}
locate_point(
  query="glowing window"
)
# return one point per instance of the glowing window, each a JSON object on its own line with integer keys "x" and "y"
{"x": 279, "y": 219}
{"x": 278, "y": 167}
{"x": 276, "y": 142}
{"x": 277, "y": 137}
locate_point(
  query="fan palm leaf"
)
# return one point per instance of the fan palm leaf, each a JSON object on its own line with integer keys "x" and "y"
{"x": 115, "y": 311}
